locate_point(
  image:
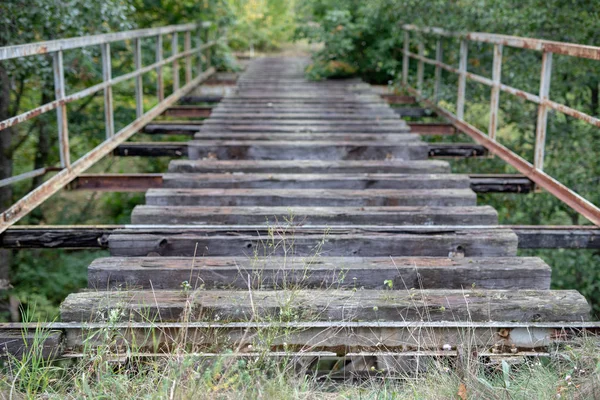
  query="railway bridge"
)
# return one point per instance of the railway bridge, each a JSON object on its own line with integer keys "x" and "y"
{"x": 311, "y": 207}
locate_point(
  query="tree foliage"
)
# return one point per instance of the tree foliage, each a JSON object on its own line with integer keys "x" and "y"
{"x": 367, "y": 36}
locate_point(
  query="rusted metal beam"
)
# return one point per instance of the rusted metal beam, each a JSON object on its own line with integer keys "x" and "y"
{"x": 431, "y": 128}
{"x": 117, "y": 182}
{"x": 51, "y": 46}
{"x": 543, "y": 180}
{"x": 188, "y": 111}
{"x": 568, "y": 49}
{"x": 96, "y": 236}
{"x": 61, "y": 179}
{"x": 398, "y": 99}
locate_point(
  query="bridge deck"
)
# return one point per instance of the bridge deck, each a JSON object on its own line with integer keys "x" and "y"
{"x": 281, "y": 154}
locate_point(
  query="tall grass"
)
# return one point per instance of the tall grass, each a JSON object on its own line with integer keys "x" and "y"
{"x": 110, "y": 363}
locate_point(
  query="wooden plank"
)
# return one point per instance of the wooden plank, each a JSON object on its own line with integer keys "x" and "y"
{"x": 96, "y": 236}
{"x": 307, "y": 136}
{"x": 276, "y": 273}
{"x": 20, "y": 343}
{"x": 463, "y": 150}
{"x": 188, "y": 111}
{"x": 190, "y": 215}
{"x": 310, "y": 166}
{"x": 501, "y": 183}
{"x": 310, "y": 117}
{"x": 306, "y": 150}
{"x": 413, "y": 112}
{"x": 317, "y": 181}
{"x": 559, "y": 237}
{"x": 313, "y": 123}
{"x": 431, "y": 128}
{"x": 200, "y": 99}
{"x": 311, "y": 197}
{"x": 152, "y": 149}
{"x": 117, "y": 182}
{"x": 332, "y": 305}
{"x": 304, "y": 241}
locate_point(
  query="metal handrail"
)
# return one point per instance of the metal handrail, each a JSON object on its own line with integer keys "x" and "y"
{"x": 548, "y": 48}
{"x": 70, "y": 170}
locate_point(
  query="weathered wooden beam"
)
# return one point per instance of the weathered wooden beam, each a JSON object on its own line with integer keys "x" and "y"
{"x": 398, "y": 99}
{"x": 152, "y": 149}
{"x": 431, "y": 128}
{"x": 501, "y": 183}
{"x": 117, "y": 182}
{"x": 333, "y": 305}
{"x": 189, "y": 111}
{"x": 460, "y": 150}
{"x": 95, "y": 236}
{"x": 200, "y": 99}
{"x": 413, "y": 112}
{"x": 164, "y": 273}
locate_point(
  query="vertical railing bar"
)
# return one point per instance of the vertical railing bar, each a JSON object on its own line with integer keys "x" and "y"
{"x": 420, "y": 67}
{"x": 439, "y": 55}
{"x": 208, "y": 50}
{"x": 187, "y": 46}
{"x": 108, "y": 95}
{"x": 200, "y": 41}
{"x": 160, "y": 87}
{"x": 405, "y": 58}
{"x": 542, "y": 120}
{"x": 61, "y": 111}
{"x": 462, "y": 80}
{"x": 139, "y": 88}
{"x": 495, "y": 95}
{"x": 175, "y": 50}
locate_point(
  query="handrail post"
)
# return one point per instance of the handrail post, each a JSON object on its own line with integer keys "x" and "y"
{"x": 160, "y": 87}
{"x": 187, "y": 46}
{"x": 462, "y": 80}
{"x": 200, "y": 41}
{"x": 495, "y": 95}
{"x": 405, "y": 58}
{"x": 208, "y": 49}
{"x": 108, "y": 96}
{"x": 174, "y": 51}
{"x": 420, "y": 68}
{"x": 61, "y": 111}
{"x": 542, "y": 120}
{"x": 439, "y": 55}
{"x": 139, "y": 88}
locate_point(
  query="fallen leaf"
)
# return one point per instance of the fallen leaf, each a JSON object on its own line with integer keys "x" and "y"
{"x": 462, "y": 391}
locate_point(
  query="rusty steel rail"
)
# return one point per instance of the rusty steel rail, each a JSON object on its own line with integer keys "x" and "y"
{"x": 69, "y": 170}
{"x": 533, "y": 171}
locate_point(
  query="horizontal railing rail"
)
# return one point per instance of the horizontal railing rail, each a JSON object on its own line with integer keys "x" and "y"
{"x": 535, "y": 170}
{"x": 68, "y": 170}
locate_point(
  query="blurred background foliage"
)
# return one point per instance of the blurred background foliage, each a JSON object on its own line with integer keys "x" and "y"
{"x": 357, "y": 38}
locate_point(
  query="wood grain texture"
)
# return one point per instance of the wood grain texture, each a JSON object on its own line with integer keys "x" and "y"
{"x": 297, "y": 216}
{"x": 306, "y": 150}
{"x": 331, "y": 305}
{"x": 310, "y": 166}
{"x": 311, "y": 197}
{"x": 317, "y": 181}
{"x": 278, "y": 273}
{"x": 242, "y": 241}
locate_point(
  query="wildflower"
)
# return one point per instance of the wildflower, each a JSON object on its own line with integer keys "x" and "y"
{"x": 447, "y": 347}
{"x": 568, "y": 378}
